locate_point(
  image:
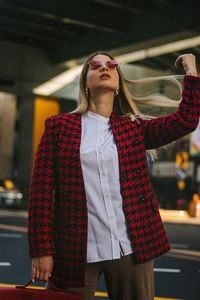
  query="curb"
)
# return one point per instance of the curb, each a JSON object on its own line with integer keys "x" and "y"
{"x": 178, "y": 217}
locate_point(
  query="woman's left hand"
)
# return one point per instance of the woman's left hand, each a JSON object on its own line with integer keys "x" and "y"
{"x": 188, "y": 62}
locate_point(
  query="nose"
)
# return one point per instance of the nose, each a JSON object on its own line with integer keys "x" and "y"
{"x": 103, "y": 68}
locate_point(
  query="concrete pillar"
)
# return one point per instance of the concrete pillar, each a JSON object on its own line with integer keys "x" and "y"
{"x": 22, "y": 160}
{"x": 7, "y": 133}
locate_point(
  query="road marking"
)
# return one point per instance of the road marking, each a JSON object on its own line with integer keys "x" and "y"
{"x": 11, "y": 235}
{"x": 13, "y": 228}
{"x": 156, "y": 298}
{"x": 105, "y": 295}
{"x": 7, "y": 285}
{"x": 182, "y": 246}
{"x": 184, "y": 254}
{"x": 8, "y": 213}
{"x": 167, "y": 270}
{"x": 28, "y": 287}
{"x": 5, "y": 264}
{"x": 101, "y": 294}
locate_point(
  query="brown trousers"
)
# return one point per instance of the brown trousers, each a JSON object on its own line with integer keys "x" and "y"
{"x": 125, "y": 280}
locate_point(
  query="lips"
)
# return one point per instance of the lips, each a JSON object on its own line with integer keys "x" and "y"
{"x": 104, "y": 75}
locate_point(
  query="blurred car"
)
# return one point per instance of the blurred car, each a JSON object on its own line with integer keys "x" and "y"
{"x": 10, "y": 196}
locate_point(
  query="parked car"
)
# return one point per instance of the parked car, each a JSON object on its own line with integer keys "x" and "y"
{"x": 10, "y": 196}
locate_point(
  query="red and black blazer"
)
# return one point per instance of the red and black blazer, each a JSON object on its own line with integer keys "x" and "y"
{"x": 57, "y": 203}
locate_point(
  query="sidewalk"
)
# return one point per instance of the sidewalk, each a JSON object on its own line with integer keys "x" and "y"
{"x": 178, "y": 217}
{"x": 168, "y": 216}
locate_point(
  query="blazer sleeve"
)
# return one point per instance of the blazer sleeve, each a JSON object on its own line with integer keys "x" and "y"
{"x": 40, "y": 208}
{"x": 164, "y": 130}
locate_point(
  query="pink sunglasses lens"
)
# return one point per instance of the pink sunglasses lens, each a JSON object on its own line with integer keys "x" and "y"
{"x": 95, "y": 64}
{"x": 112, "y": 63}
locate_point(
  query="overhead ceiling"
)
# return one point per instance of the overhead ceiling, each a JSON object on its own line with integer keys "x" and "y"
{"x": 65, "y": 30}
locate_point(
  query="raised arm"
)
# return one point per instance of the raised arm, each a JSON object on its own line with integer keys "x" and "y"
{"x": 161, "y": 131}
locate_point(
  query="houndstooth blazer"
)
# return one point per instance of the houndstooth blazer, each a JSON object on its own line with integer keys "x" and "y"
{"x": 57, "y": 223}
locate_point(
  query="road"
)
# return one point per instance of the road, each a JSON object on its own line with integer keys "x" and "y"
{"x": 177, "y": 274}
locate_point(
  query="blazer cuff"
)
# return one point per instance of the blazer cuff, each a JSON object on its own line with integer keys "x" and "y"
{"x": 193, "y": 81}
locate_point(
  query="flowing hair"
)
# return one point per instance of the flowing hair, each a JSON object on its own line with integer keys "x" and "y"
{"x": 125, "y": 103}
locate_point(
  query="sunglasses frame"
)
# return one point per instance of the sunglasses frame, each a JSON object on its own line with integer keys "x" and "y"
{"x": 102, "y": 63}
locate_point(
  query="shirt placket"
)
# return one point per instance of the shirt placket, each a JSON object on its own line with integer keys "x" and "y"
{"x": 106, "y": 190}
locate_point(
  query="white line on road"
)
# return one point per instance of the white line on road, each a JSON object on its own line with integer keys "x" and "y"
{"x": 5, "y": 264}
{"x": 182, "y": 246}
{"x": 13, "y": 228}
{"x": 11, "y": 235}
{"x": 167, "y": 270}
{"x": 9, "y": 213}
{"x": 184, "y": 253}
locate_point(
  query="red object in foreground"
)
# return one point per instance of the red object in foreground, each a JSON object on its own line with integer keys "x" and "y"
{"x": 36, "y": 294}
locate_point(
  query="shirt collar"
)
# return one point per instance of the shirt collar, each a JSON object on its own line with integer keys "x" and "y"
{"x": 96, "y": 116}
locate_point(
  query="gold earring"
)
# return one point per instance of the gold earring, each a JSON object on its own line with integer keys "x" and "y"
{"x": 117, "y": 91}
{"x": 86, "y": 91}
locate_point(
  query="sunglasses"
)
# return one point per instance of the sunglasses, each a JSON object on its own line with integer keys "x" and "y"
{"x": 110, "y": 64}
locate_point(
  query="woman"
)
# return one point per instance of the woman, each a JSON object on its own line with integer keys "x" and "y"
{"x": 92, "y": 209}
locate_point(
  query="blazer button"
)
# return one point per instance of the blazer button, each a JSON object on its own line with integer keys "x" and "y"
{"x": 195, "y": 89}
{"x": 138, "y": 171}
{"x": 64, "y": 193}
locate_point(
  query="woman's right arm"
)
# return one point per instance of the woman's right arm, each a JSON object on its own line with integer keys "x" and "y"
{"x": 40, "y": 206}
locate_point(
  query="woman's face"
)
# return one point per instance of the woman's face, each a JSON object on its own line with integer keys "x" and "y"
{"x": 103, "y": 78}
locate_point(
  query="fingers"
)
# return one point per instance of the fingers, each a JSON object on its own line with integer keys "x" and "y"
{"x": 35, "y": 271}
{"x": 46, "y": 276}
{"x": 185, "y": 59}
{"x": 33, "y": 275}
{"x": 43, "y": 276}
{"x": 42, "y": 268}
{"x": 188, "y": 62}
{"x": 178, "y": 62}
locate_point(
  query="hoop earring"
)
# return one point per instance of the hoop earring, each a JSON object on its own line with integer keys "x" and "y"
{"x": 117, "y": 91}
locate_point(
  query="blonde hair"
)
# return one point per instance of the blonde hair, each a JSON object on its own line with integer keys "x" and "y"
{"x": 125, "y": 103}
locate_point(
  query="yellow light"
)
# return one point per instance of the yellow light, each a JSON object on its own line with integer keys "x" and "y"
{"x": 181, "y": 213}
{"x": 181, "y": 184}
{"x": 8, "y": 184}
{"x": 58, "y": 82}
{"x": 182, "y": 159}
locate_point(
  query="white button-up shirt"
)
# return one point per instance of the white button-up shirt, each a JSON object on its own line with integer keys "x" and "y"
{"x": 107, "y": 231}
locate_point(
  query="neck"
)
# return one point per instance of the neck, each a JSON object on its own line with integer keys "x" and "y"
{"x": 102, "y": 104}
